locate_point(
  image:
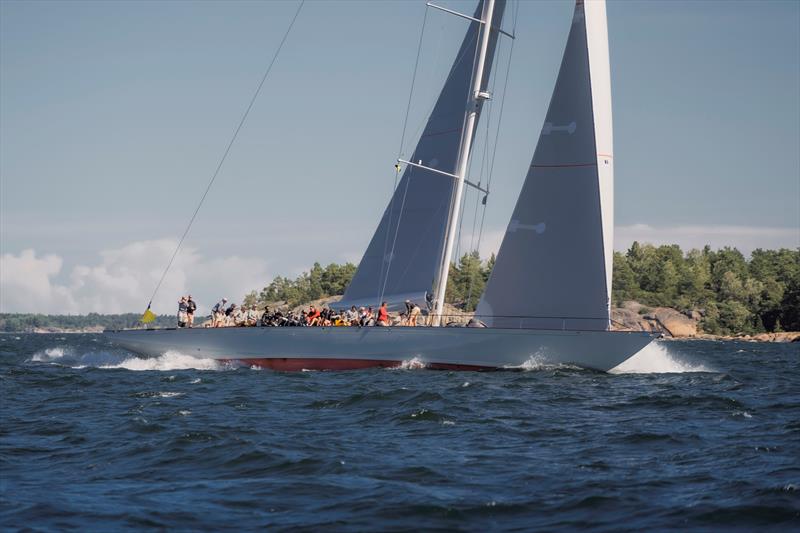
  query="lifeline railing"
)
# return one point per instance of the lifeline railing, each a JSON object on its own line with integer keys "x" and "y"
{"x": 526, "y": 321}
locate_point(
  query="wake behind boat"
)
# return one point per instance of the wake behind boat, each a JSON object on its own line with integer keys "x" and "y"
{"x": 548, "y": 297}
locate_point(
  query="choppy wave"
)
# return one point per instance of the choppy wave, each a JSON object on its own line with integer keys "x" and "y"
{"x": 655, "y": 358}
{"x": 50, "y": 355}
{"x": 415, "y": 363}
{"x": 171, "y": 360}
{"x": 539, "y": 362}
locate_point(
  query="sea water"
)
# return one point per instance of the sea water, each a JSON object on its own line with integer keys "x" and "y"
{"x": 693, "y": 434}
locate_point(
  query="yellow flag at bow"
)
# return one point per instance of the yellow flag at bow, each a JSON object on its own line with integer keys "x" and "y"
{"x": 148, "y": 316}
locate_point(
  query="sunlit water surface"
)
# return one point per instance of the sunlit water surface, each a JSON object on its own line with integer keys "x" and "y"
{"x": 684, "y": 435}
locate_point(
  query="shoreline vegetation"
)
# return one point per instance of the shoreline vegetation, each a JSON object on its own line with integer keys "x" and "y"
{"x": 704, "y": 294}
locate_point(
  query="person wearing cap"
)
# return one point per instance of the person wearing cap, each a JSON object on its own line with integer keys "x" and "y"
{"x": 218, "y": 313}
{"x": 191, "y": 307}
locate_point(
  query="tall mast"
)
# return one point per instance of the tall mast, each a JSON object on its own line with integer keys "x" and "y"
{"x": 462, "y": 163}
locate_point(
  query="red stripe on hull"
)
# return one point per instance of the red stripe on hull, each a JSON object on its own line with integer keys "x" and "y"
{"x": 291, "y": 364}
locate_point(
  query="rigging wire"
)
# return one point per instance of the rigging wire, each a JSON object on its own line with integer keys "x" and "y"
{"x": 413, "y": 81}
{"x": 382, "y": 286}
{"x": 394, "y": 241}
{"x": 227, "y": 150}
{"x": 484, "y": 165}
{"x": 432, "y": 106}
{"x": 503, "y": 101}
{"x": 499, "y": 122}
{"x": 396, "y": 230}
{"x": 468, "y": 170}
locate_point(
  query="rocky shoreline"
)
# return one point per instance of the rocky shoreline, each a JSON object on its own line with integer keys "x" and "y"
{"x": 676, "y": 325}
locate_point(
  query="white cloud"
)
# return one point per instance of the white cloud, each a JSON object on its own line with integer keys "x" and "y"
{"x": 123, "y": 280}
{"x": 26, "y": 279}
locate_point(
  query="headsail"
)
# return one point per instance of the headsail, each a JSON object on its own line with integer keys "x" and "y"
{"x": 402, "y": 257}
{"x": 553, "y": 269}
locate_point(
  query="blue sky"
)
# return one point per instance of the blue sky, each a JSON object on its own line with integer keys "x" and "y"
{"x": 113, "y": 116}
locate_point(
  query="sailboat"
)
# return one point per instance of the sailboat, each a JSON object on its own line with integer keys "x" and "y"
{"x": 549, "y": 293}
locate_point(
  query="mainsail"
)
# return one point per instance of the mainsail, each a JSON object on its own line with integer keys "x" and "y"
{"x": 402, "y": 258}
{"x": 553, "y": 269}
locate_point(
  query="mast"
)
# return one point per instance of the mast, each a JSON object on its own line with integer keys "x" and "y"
{"x": 462, "y": 162}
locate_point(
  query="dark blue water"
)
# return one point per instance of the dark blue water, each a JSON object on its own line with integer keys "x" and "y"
{"x": 700, "y": 435}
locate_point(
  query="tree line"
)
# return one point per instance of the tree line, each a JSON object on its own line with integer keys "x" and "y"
{"x": 731, "y": 294}
{"x": 465, "y": 284}
{"x": 20, "y": 322}
{"x": 317, "y": 283}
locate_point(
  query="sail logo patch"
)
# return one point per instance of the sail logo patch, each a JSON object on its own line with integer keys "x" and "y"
{"x": 538, "y": 228}
{"x": 549, "y": 128}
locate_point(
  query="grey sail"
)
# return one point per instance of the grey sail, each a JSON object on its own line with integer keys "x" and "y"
{"x": 553, "y": 269}
{"x": 402, "y": 257}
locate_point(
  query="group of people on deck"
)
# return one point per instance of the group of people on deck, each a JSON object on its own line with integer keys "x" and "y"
{"x": 361, "y": 317}
{"x": 233, "y": 315}
{"x": 224, "y": 315}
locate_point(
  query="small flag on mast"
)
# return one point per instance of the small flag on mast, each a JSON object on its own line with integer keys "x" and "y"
{"x": 148, "y": 316}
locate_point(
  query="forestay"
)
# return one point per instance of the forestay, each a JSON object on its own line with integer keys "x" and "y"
{"x": 401, "y": 260}
{"x": 553, "y": 269}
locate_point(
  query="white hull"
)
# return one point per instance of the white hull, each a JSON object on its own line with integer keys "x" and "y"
{"x": 338, "y": 348}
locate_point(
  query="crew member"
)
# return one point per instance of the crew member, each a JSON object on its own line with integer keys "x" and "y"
{"x": 383, "y": 315}
{"x": 191, "y": 307}
{"x": 312, "y": 318}
{"x": 182, "y": 312}
{"x": 218, "y": 314}
{"x": 413, "y": 314}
